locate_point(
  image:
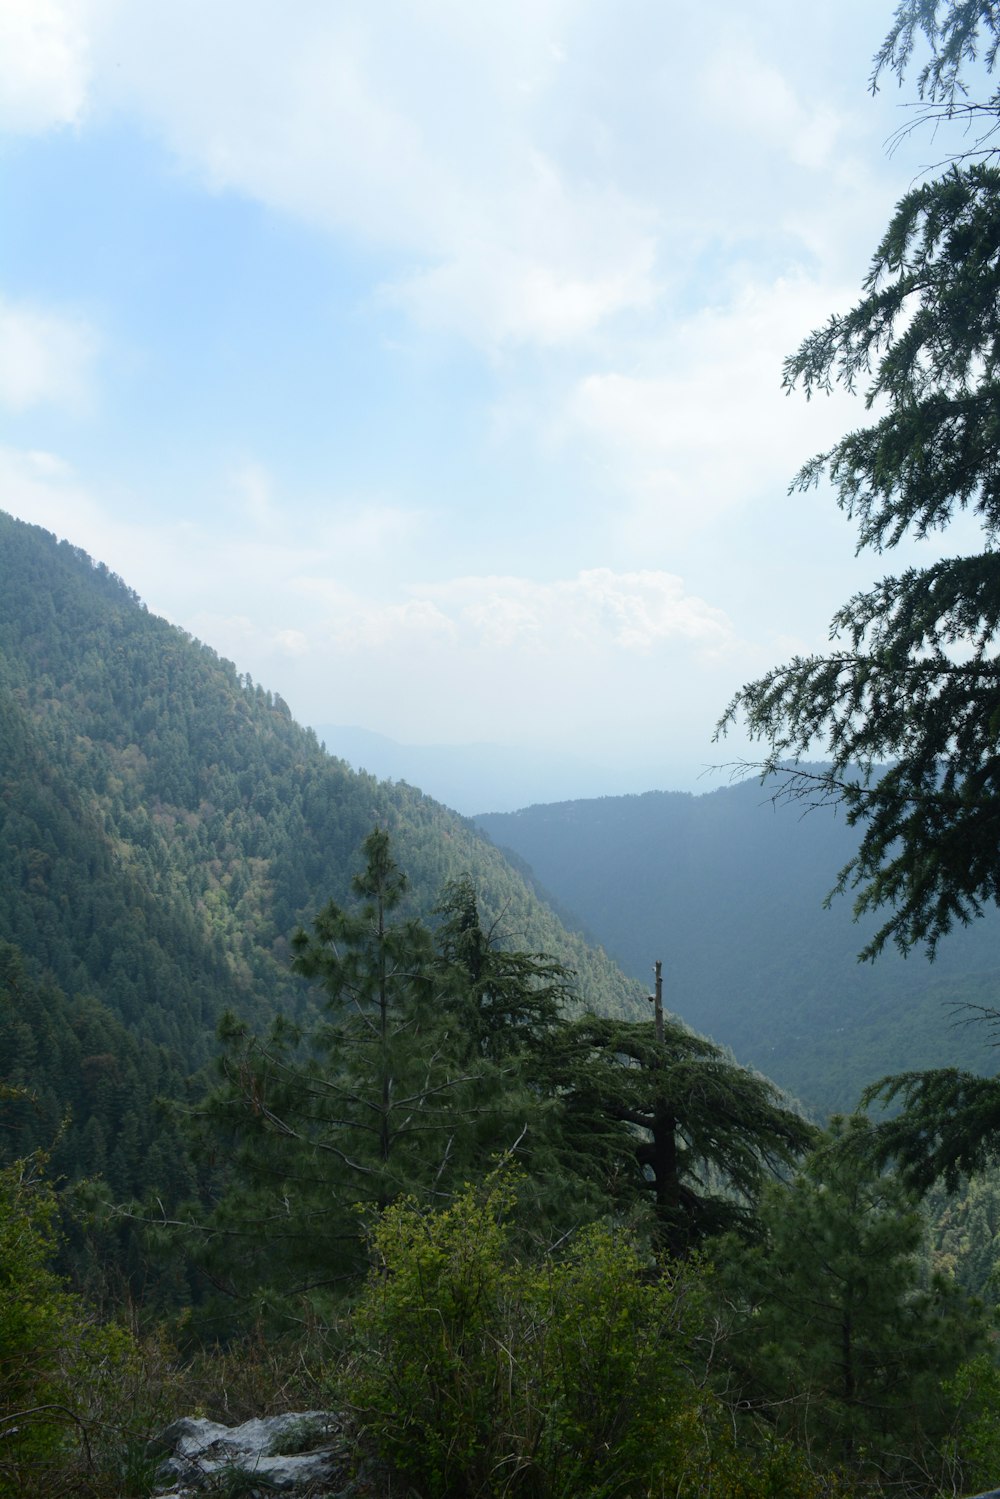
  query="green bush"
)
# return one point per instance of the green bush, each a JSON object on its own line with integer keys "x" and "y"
{"x": 475, "y": 1375}
{"x": 37, "y": 1324}
{"x": 78, "y": 1401}
{"x": 974, "y": 1448}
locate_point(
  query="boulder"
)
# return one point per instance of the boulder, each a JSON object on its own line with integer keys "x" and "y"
{"x": 302, "y": 1453}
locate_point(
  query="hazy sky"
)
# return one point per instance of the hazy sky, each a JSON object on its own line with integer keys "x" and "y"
{"x": 423, "y": 357}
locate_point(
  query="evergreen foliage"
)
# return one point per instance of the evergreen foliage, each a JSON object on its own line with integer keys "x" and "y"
{"x": 74, "y": 1417}
{"x": 676, "y": 1123}
{"x": 964, "y": 1226}
{"x": 512, "y": 999}
{"x": 66, "y": 1062}
{"x": 953, "y": 31}
{"x": 392, "y": 1068}
{"x": 948, "y": 1126}
{"x": 439, "y": 1051}
{"x": 913, "y": 677}
{"x": 421, "y": 1068}
{"x": 840, "y": 1333}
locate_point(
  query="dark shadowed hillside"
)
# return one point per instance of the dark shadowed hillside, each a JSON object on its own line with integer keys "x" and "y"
{"x": 728, "y": 890}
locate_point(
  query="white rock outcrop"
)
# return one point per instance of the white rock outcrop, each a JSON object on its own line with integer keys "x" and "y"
{"x": 302, "y": 1453}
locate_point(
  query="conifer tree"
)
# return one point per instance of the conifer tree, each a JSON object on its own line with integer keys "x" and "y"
{"x": 510, "y": 999}
{"x": 675, "y": 1123}
{"x": 440, "y": 1051}
{"x": 948, "y": 1125}
{"x": 392, "y": 1069}
{"x": 416, "y": 1078}
{"x": 361, "y": 1106}
{"x": 904, "y": 705}
{"x": 839, "y": 1333}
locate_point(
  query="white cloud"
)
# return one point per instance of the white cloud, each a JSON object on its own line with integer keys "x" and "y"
{"x": 46, "y": 358}
{"x": 602, "y": 655}
{"x": 366, "y": 625}
{"x": 420, "y": 131}
{"x": 596, "y": 614}
{"x": 508, "y": 295}
{"x": 294, "y": 642}
{"x": 331, "y": 527}
{"x": 254, "y": 493}
{"x": 43, "y": 64}
{"x": 598, "y": 655}
{"x": 635, "y": 238}
{"x": 291, "y": 574}
{"x": 526, "y": 170}
{"x": 710, "y": 429}
{"x": 598, "y": 610}
{"x": 43, "y": 489}
{"x": 745, "y": 93}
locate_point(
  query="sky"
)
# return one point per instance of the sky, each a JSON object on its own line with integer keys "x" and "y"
{"x": 423, "y": 357}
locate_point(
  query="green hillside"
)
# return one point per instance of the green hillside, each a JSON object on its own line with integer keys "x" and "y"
{"x": 164, "y": 828}
{"x": 728, "y": 890}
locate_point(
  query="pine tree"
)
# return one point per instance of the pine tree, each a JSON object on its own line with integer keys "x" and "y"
{"x": 675, "y": 1123}
{"x": 510, "y": 998}
{"x": 391, "y": 1071}
{"x": 416, "y": 1078}
{"x": 838, "y": 1331}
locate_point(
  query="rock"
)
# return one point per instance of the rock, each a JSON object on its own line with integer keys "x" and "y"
{"x": 301, "y": 1453}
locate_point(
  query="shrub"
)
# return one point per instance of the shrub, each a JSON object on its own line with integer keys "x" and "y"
{"x": 475, "y": 1375}
{"x": 77, "y": 1400}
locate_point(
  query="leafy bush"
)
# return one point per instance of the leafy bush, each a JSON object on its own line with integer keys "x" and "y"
{"x": 78, "y": 1401}
{"x": 974, "y": 1449}
{"x": 475, "y": 1375}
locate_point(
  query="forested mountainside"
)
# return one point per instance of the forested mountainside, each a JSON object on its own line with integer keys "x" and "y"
{"x": 728, "y": 889}
{"x": 164, "y": 828}
{"x": 169, "y": 842}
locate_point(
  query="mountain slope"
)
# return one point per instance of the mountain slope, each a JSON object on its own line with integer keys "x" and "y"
{"x": 165, "y": 825}
{"x": 728, "y": 890}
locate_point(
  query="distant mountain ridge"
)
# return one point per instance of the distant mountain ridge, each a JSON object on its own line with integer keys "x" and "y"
{"x": 470, "y": 777}
{"x": 728, "y": 889}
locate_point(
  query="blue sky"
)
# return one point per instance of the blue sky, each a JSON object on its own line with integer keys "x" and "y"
{"x": 424, "y": 358}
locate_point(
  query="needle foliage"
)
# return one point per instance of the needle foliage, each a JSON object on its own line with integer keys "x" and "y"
{"x": 906, "y": 704}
